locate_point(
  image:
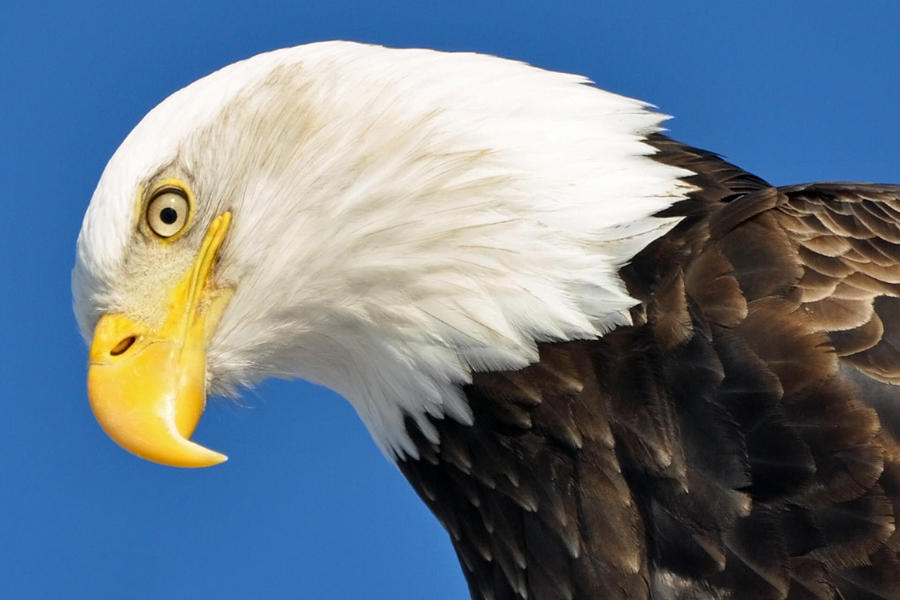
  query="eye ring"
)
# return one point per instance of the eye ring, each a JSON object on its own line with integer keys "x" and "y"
{"x": 168, "y": 211}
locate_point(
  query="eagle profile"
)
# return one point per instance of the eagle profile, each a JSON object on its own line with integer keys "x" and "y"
{"x": 613, "y": 366}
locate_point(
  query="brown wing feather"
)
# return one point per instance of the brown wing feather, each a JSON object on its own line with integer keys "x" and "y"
{"x": 739, "y": 441}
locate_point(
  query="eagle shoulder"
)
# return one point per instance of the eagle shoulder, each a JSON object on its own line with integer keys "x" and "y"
{"x": 739, "y": 440}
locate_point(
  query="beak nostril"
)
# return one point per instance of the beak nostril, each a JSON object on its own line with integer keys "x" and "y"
{"x": 122, "y": 346}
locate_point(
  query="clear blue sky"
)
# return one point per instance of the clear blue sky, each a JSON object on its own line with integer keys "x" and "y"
{"x": 307, "y": 507}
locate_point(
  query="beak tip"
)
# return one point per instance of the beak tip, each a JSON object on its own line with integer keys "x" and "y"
{"x": 210, "y": 459}
{"x": 197, "y": 457}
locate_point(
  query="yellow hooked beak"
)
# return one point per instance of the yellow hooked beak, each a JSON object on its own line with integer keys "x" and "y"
{"x": 148, "y": 388}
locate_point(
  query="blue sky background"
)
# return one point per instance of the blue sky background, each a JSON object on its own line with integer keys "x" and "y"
{"x": 306, "y": 507}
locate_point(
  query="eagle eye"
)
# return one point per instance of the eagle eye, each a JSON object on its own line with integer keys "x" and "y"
{"x": 168, "y": 211}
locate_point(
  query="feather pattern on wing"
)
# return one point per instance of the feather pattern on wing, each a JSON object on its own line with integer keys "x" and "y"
{"x": 740, "y": 440}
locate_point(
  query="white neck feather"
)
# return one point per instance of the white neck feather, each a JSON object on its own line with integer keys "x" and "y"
{"x": 403, "y": 218}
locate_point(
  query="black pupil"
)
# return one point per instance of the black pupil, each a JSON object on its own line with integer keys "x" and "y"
{"x": 168, "y": 215}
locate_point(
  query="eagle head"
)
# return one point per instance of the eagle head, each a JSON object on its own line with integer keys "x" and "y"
{"x": 382, "y": 222}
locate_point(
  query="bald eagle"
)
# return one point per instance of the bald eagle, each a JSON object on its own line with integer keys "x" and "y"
{"x": 613, "y": 366}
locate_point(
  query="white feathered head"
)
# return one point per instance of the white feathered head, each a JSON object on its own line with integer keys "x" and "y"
{"x": 382, "y": 222}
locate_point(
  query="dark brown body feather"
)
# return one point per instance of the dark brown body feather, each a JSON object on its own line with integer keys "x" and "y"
{"x": 740, "y": 440}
